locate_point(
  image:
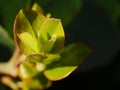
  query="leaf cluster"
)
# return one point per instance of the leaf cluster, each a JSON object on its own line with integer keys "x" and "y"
{"x": 41, "y": 56}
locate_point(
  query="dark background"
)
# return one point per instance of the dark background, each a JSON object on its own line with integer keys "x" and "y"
{"x": 95, "y": 25}
{"x": 101, "y": 70}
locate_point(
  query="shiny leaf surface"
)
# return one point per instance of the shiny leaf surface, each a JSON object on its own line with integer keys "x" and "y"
{"x": 71, "y": 57}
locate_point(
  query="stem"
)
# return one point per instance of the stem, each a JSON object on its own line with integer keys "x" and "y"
{"x": 11, "y": 67}
{"x": 6, "y": 68}
{"x": 9, "y": 82}
{"x": 15, "y": 56}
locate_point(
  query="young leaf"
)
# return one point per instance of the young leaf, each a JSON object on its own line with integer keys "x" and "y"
{"x": 39, "y": 82}
{"x": 52, "y": 27}
{"x": 36, "y": 7}
{"x": 43, "y": 58}
{"x": 35, "y": 58}
{"x": 27, "y": 21}
{"x": 48, "y": 32}
{"x": 51, "y": 58}
{"x": 71, "y": 57}
{"x": 29, "y": 41}
{"x": 48, "y": 46}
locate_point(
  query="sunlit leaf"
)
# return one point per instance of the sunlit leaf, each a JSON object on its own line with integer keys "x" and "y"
{"x": 27, "y": 21}
{"x": 37, "y": 7}
{"x": 48, "y": 46}
{"x": 52, "y": 27}
{"x": 29, "y": 41}
{"x": 71, "y": 57}
{"x": 48, "y": 32}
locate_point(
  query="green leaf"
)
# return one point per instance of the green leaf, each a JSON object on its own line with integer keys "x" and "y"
{"x": 27, "y": 21}
{"x": 43, "y": 58}
{"x": 48, "y": 46}
{"x": 6, "y": 40}
{"x": 51, "y": 58}
{"x": 34, "y": 58}
{"x": 37, "y": 7}
{"x": 29, "y": 42}
{"x": 71, "y": 57}
{"x": 27, "y": 70}
{"x": 44, "y": 35}
{"x": 51, "y": 29}
{"x": 39, "y": 82}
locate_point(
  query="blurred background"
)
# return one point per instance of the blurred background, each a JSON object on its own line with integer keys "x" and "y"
{"x": 93, "y": 22}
